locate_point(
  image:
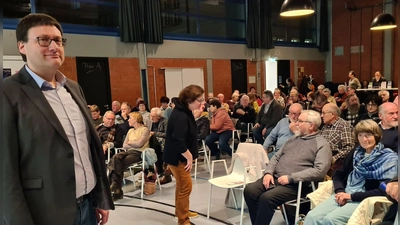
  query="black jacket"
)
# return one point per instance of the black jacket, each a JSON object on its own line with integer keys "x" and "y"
{"x": 250, "y": 115}
{"x": 181, "y": 135}
{"x": 272, "y": 117}
{"x": 203, "y": 127}
{"x": 340, "y": 181}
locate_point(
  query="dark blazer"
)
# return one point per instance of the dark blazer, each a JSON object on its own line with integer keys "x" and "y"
{"x": 39, "y": 174}
{"x": 181, "y": 135}
{"x": 273, "y": 115}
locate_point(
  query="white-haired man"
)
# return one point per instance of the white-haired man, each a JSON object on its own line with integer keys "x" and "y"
{"x": 305, "y": 157}
{"x": 388, "y": 113}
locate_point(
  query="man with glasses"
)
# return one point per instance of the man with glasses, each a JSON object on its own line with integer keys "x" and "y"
{"x": 283, "y": 130}
{"x": 54, "y": 170}
{"x": 388, "y": 113}
{"x": 306, "y": 157}
{"x": 111, "y": 134}
{"x": 338, "y": 132}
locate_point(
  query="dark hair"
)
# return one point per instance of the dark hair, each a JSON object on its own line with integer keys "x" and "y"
{"x": 189, "y": 94}
{"x": 174, "y": 100}
{"x": 34, "y": 20}
{"x": 375, "y": 99}
{"x": 164, "y": 99}
{"x": 269, "y": 94}
{"x": 353, "y": 86}
{"x": 127, "y": 104}
{"x": 320, "y": 99}
{"x": 252, "y": 88}
{"x": 141, "y": 102}
{"x": 215, "y": 102}
{"x": 290, "y": 81}
{"x": 352, "y": 73}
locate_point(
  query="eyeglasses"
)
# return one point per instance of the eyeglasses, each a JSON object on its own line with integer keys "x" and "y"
{"x": 370, "y": 105}
{"x": 46, "y": 42}
{"x": 293, "y": 114}
{"x": 324, "y": 113}
{"x": 200, "y": 100}
{"x": 302, "y": 121}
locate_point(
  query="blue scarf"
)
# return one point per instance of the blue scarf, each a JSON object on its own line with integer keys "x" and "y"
{"x": 381, "y": 165}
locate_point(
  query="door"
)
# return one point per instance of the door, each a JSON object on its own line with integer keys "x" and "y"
{"x": 94, "y": 78}
{"x": 239, "y": 75}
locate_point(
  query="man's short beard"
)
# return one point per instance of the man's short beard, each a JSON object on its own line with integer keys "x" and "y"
{"x": 297, "y": 133}
{"x": 353, "y": 109}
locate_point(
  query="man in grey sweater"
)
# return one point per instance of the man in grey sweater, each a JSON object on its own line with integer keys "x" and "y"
{"x": 305, "y": 157}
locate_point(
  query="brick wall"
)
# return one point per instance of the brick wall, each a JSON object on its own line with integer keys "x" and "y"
{"x": 352, "y": 28}
{"x": 69, "y": 68}
{"x": 124, "y": 79}
{"x": 316, "y": 68}
{"x": 222, "y": 81}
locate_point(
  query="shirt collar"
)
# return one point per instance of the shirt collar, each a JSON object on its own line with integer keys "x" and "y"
{"x": 44, "y": 85}
{"x": 333, "y": 124}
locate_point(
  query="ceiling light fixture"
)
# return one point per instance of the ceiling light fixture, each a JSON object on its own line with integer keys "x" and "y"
{"x": 292, "y": 8}
{"x": 383, "y": 21}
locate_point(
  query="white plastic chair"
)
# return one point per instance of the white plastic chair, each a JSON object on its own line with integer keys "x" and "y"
{"x": 299, "y": 200}
{"x": 206, "y": 158}
{"x": 237, "y": 179}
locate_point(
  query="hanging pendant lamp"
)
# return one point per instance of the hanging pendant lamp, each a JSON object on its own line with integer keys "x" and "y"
{"x": 292, "y": 8}
{"x": 383, "y": 21}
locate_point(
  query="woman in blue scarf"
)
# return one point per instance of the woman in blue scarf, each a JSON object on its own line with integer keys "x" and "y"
{"x": 364, "y": 168}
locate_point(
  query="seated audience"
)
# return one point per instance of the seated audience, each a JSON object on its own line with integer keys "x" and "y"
{"x": 253, "y": 101}
{"x": 377, "y": 80}
{"x": 116, "y": 107}
{"x": 97, "y": 118}
{"x": 283, "y": 130}
{"x": 135, "y": 142}
{"x": 269, "y": 115}
{"x": 388, "y": 113}
{"x": 320, "y": 89}
{"x": 373, "y": 102}
{"x": 310, "y": 99}
{"x": 164, "y": 101}
{"x": 143, "y": 111}
{"x": 353, "y": 80}
{"x": 123, "y": 118}
{"x": 221, "y": 99}
{"x": 137, "y": 101}
{"x": 365, "y": 84}
{"x": 234, "y": 99}
{"x": 319, "y": 102}
{"x": 203, "y": 124}
{"x": 111, "y": 134}
{"x": 353, "y": 109}
{"x": 338, "y": 132}
{"x": 258, "y": 99}
{"x": 341, "y": 95}
{"x": 245, "y": 113}
{"x": 157, "y": 125}
{"x": 392, "y": 192}
{"x": 221, "y": 130}
{"x": 167, "y": 112}
{"x": 279, "y": 98}
{"x": 328, "y": 95}
{"x": 305, "y": 157}
{"x": 384, "y": 95}
{"x": 293, "y": 98}
{"x": 364, "y": 168}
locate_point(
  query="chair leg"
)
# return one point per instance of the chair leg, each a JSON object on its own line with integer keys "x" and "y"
{"x": 298, "y": 202}
{"x": 242, "y": 208}
{"x": 209, "y": 202}
{"x": 234, "y": 198}
{"x": 157, "y": 178}
{"x": 284, "y": 214}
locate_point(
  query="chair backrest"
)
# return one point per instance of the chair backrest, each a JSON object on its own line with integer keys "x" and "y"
{"x": 256, "y": 156}
{"x": 236, "y": 123}
{"x": 239, "y": 170}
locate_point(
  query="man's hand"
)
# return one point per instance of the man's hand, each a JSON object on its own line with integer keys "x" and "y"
{"x": 105, "y": 148}
{"x": 240, "y": 111}
{"x": 342, "y": 198}
{"x": 392, "y": 189}
{"x": 151, "y": 133}
{"x": 256, "y": 125}
{"x": 268, "y": 178}
{"x": 264, "y": 131}
{"x": 102, "y": 216}
{"x": 283, "y": 180}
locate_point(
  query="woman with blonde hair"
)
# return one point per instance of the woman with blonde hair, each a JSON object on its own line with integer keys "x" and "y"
{"x": 137, "y": 139}
{"x": 363, "y": 169}
{"x": 330, "y": 98}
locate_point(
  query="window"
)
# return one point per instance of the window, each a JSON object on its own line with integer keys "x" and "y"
{"x": 298, "y": 30}
{"x": 206, "y": 19}
{"x": 16, "y": 9}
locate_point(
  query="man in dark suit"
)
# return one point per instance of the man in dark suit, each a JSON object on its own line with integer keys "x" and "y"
{"x": 54, "y": 168}
{"x": 269, "y": 115}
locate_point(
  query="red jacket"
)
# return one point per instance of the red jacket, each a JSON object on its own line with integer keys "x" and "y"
{"x": 221, "y": 121}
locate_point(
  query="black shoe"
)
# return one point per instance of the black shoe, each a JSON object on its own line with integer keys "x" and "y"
{"x": 118, "y": 194}
{"x": 165, "y": 179}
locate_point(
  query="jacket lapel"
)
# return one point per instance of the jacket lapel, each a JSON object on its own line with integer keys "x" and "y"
{"x": 35, "y": 94}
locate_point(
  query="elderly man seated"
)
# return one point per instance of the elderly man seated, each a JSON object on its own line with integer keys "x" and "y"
{"x": 338, "y": 132}
{"x": 388, "y": 112}
{"x": 305, "y": 157}
{"x": 157, "y": 125}
{"x": 352, "y": 109}
{"x": 111, "y": 134}
{"x": 283, "y": 130}
{"x": 245, "y": 113}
